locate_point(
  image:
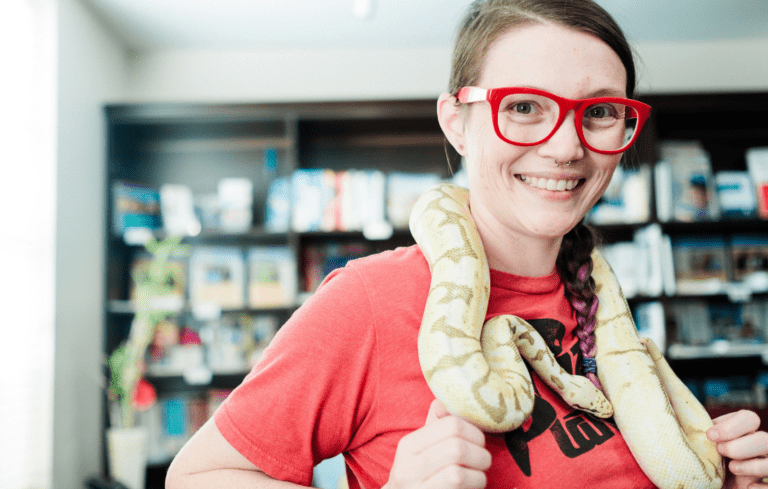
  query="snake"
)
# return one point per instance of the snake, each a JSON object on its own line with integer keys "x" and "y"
{"x": 476, "y": 368}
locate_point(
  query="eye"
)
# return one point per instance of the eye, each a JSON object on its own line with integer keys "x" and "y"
{"x": 523, "y": 108}
{"x": 600, "y": 112}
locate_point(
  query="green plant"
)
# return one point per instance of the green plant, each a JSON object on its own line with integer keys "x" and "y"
{"x": 126, "y": 362}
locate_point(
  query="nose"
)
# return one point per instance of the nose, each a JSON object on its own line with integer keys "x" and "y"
{"x": 564, "y": 144}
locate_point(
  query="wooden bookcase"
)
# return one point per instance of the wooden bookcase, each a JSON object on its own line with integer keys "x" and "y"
{"x": 196, "y": 145}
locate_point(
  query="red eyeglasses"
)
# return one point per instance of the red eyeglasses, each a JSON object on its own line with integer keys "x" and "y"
{"x": 528, "y": 116}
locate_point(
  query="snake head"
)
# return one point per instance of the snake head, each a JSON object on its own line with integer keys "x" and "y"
{"x": 585, "y": 396}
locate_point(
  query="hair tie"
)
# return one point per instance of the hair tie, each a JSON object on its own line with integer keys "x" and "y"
{"x": 589, "y": 365}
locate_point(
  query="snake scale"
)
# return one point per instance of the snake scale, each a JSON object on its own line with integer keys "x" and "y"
{"x": 476, "y": 370}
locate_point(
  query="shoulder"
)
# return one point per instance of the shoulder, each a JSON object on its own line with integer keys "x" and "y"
{"x": 395, "y": 274}
{"x": 381, "y": 269}
{"x": 403, "y": 261}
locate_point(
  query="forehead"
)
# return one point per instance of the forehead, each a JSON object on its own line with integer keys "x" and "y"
{"x": 550, "y": 57}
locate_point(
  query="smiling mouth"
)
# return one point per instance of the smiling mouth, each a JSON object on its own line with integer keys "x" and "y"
{"x": 550, "y": 183}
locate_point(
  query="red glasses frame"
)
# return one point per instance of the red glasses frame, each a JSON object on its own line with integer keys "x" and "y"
{"x": 494, "y": 97}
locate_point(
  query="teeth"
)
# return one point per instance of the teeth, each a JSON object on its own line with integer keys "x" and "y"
{"x": 549, "y": 184}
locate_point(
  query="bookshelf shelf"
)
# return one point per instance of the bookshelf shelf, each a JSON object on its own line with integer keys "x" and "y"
{"x": 718, "y": 350}
{"x": 128, "y": 307}
{"x": 176, "y": 384}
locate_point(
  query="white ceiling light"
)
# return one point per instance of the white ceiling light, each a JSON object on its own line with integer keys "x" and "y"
{"x": 363, "y": 9}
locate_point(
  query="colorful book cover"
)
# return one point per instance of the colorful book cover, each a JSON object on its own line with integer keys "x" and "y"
{"x": 277, "y": 217}
{"x": 314, "y": 196}
{"x": 135, "y": 206}
{"x": 749, "y": 255}
{"x": 701, "y": 264}
{"x": 691, "y": 181}
{"x": 735, "y": 194}
{"x": 217, "y": 276}
{"x": 627, "y": 199}
{"x": 757, "y": 165}
{"x": 271, "y": 277}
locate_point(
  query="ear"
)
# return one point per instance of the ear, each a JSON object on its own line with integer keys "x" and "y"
{"x": 451, "y": 121}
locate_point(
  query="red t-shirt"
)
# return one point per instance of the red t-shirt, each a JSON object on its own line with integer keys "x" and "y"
{"x": 342, "y": 376}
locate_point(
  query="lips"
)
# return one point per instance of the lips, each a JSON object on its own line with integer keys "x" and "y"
{"x": 550, "y": 183}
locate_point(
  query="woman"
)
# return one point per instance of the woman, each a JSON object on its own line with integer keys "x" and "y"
{"x": 343, "y": 373}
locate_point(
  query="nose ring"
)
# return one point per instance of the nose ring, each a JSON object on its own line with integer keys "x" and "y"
{"x": 558, "y": 164}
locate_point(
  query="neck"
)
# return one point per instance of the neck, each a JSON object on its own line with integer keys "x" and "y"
{"x": 522, "y": 255}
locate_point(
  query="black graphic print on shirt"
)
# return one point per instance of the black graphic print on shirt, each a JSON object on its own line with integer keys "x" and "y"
{"x": 576, "y": 432}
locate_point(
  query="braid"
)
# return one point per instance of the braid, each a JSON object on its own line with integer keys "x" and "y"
{"x": 574, "y": 263}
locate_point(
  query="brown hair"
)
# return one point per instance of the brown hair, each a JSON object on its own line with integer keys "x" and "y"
{"x": 485, "y": 22}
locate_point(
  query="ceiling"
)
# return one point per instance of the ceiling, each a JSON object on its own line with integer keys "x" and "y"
{"x": 300, "y": 24}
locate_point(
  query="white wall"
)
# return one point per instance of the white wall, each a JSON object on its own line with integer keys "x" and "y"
{"x": 91, "y": 70}
{"x": 355, "y": 74}
{"x": 712, "y": 66}
{"x": 288, "y": 75}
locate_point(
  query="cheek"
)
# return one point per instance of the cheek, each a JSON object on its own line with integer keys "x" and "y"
{"x": 606, "y": 166}
{"x": 490, "y": 160}
{"x": 480, "y": 154}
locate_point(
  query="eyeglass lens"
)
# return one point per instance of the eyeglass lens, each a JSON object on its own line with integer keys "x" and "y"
{"x": 527, "y": 118}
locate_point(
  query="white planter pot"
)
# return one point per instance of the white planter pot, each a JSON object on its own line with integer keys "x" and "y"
{"x": 127, "y": 448}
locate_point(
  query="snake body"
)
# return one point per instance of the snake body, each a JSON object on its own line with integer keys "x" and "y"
{"x": 477, "y": 372}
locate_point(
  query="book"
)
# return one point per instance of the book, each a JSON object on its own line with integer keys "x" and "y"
{"x": 134, "y": 205}
{"x": 627, "y": 198}
{"x": 754, "y": 320}
{"x": 320, "y": 260}
{"x": 651, "y": 323}
{"x": 217, "y": 276}
{"x": 691, "y": 322}
{"x": 178, "y": 210}
{"x": 277, "y": 218}
{"x": 735, "y": 194}
{"x": 642, "y": 266}
{"x": 749, "y": 255}
{"x": 757, "y": 166}
{"x": 701, "y": 264}
{"x": 314, "y": 197}
{"x": 236, "y": 204}
{"x": 662, "y": 179}
{"x": 361, "y": 203}
{"x": 649, "y": 241}
{"x": 628, "y": 265}
{"x": 271, "y": 277}
{"x": 691, "y": 181}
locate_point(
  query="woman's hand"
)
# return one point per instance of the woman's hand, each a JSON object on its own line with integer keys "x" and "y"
{"x": 739, "y": 440}
{"x": 446, "y": 452}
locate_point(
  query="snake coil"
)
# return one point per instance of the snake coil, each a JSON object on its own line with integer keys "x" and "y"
{"x": 477, "y": 372}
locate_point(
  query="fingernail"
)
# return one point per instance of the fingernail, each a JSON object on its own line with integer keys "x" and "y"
{"x": 712, "y": 435}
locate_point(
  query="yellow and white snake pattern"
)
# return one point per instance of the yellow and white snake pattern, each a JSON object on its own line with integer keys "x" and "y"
{"x": 477, "y": 372}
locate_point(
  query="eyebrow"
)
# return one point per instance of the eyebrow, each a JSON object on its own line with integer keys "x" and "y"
{"x": 602, "y": 92}
{"x": 607, "y": 92}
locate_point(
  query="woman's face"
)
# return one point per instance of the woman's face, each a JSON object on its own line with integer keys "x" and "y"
{"x": 563, "y": 62}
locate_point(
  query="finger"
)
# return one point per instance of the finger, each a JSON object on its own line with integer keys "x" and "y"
{"x": 453, "y": 461}
{"x": 439, "y": 430}
{"x": 436, "y": 411}
{"x": 458, "y": 477}
{"x": 756, "y": 467}
{"x": 754, "y": 445}
{"x": 734, "y": 425}
{"x": 456, "y": 451}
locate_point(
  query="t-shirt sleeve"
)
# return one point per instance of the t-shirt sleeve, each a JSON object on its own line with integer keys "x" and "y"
{"x": 310, "y": 392}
